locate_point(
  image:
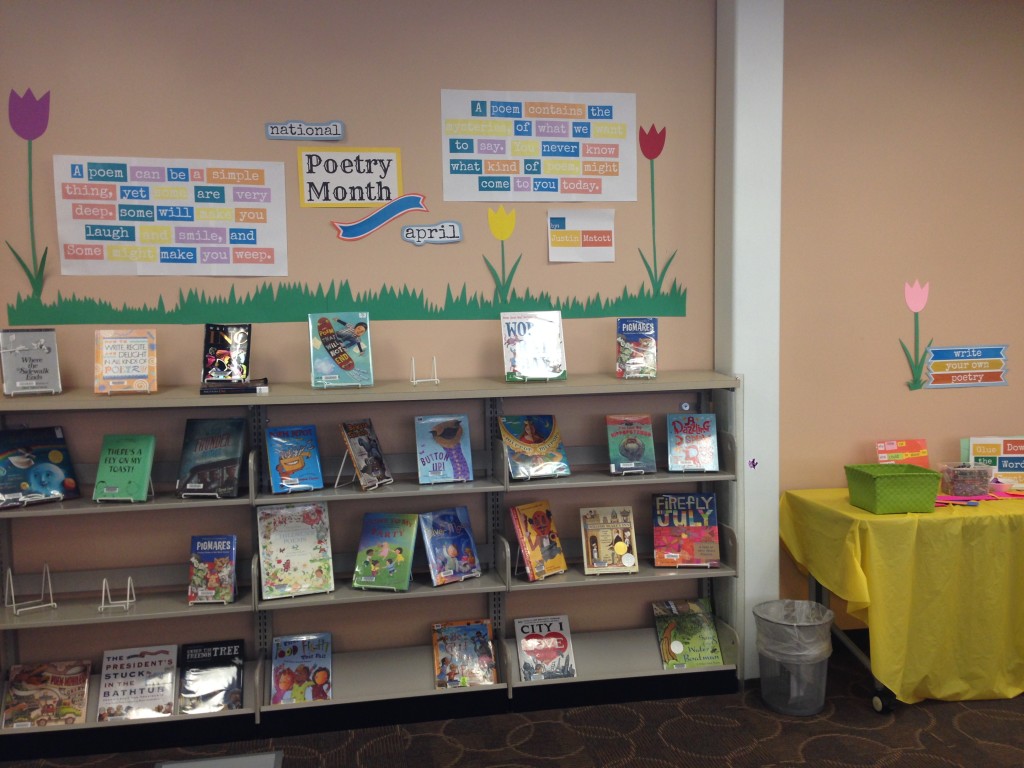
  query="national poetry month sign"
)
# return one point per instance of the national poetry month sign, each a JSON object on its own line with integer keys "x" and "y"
{"x": 147, "y": 216}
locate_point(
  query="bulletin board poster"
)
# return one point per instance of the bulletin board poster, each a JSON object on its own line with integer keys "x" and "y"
{"x": 538, "y": 146}
{"x": 148, "y": 216}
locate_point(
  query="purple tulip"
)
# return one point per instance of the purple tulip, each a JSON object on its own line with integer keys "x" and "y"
{"x": 29, "y": 116}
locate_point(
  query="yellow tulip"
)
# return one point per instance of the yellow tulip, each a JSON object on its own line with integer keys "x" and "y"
{"x": 501, "y": 223}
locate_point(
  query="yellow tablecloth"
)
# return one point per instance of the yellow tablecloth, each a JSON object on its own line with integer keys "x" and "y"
{"x": 942, "y": 592}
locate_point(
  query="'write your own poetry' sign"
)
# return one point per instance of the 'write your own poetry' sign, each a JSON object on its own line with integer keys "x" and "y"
{"x": 349, "y": 178}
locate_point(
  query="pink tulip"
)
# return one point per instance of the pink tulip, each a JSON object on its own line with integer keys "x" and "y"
{"x": 916, "y": 295}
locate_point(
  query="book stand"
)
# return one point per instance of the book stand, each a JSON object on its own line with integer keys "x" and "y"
{"x": 519, "y": 564}
{"x": 433, "y": 373}
{"x": 337, "y": 478}
{"x": 35, "y": 392}
{"x": 24, "y": 499}
{"x": 139, "y": 388}
{"x": 290, "y": 487}
{"x": 632, "y": 472}
{"x": 107, "y": 602}
{"x": 45, "y": 594}
{"x": 150, "y": 495}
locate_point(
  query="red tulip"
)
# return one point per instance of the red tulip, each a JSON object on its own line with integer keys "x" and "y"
{"x": 29, "y": 116}
{"x": 652, "y": 142}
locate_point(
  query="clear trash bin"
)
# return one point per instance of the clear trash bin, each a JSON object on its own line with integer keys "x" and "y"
{"x": 794, "y": 642}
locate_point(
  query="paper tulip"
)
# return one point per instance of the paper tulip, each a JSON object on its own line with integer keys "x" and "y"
{"x": 29, "y": 116}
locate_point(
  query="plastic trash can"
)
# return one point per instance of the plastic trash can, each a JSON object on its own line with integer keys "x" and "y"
{"x": 794, "y": 642}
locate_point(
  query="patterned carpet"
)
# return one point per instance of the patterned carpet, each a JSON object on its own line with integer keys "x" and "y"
{"x": 728, "y": 731}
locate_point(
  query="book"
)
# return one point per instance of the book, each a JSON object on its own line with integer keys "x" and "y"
{"x": 686, "y": 530}
{"x": 538, "y": 538}
{"x": 463, "y": 653}
{"x": 211, "y": 676}
{"x": 687, "y": 636}
{"x": 226, "y": 349}
{"x": 443, "y": 452}
{"x": 363, "y": 449}
{"x": 630, "y": 444}
{"x": 340, "y": 349}
{"x": 903, "y": 452}
{"x": 250, "y": 387}
{"x": 35, "y": 466}
{"x": 125, "y": 361}
{"x": 125, "y": 468}
{"x": 137, "y": 683}
{"x": 301, "y": 668}
{"x": 544, "y": 648}
{"x": 212, "y": 569}
{"x": 608, "y": 537}
{"x": 384, "y": 557}
{"x": 533, "y": 447}
{"x": 636, "y": 347}
{"x": 449, "y": 544}
{"x": 692, "y": 442}
{"x": 293, "y": 455}
{"x": 28, "y": 361}
{"x": 295, "y": 550}
{"x": 212, "y": 453}
{"x": 47, "y": 693}
{"x": 533, "y": 346}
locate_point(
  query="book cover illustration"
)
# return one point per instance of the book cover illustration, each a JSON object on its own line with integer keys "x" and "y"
{"x": 364, "y": 450}
{"x": 630, "y": 444}
{"x": 28, "y": 361}
{"x": 533, "y": 346}
{"x": 48, "y": 693}
{"x": 293, "y": 456}
{"x": 464, "y": 653}
{"x": 533, "y": 447}
{"x": 125, "y": 468}
{"x": 340, "y": 350}
{"x": 687, "y": 636}
{"x": 211, "y": 676}
{"x": 1004, "y": 452}
{"x": 538, "y": 538}
{"x": 212, "y": 575}
{"x": 301, "y": 668}
{"x": 608, "y": 537}
{"x": 544, "y": 648}
{"x": 686, "y": 530}
{"x": 636, "y": 347}
{"x": 913, "y": 451}
{"x": 226, "y": 352}
{"x": 450, "y": 547}
{"x": 692, "y": 442}
{"x": 35, "y": 466}
{"x": 137, "y": 683}
{"x": 212, "y": 455}
{"x": 443, "y": 451}
{"x": 295, "y": 550}
{"x": 384, "y": 557}
{"x": 125, "y": 361}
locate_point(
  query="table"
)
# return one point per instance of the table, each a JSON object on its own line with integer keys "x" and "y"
{"x": 942, "y": 592}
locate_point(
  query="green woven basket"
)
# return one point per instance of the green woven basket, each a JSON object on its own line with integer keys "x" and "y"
{"x": 887, "y": 489}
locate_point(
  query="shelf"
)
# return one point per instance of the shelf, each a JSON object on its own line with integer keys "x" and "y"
{"x": 162, "y": 502}
{"x": 398, "y": 489}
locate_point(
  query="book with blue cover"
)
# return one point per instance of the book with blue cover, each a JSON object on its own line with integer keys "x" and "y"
{"x": 443, "y": 451}
{"x": 35, "y": 466}
{"x": 451, "y": 549}
{"x": 293, "y": 455}
{"x": 212, "y": 453}
{"x": 340, "y": 350}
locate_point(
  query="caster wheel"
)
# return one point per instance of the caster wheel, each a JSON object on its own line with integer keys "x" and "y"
{"x": 882, "y": 702}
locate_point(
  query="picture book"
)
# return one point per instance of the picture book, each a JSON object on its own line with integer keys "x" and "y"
{"x": 293, "y": 456}
{"x": 226, "y": 349}
{"x": 1005, "y": 453}
{"x": 464, "y": 653}
{"x": 686, "y": 530}
{"x": 339, "y": 349}
{"x": 125, "y": 361}
{"x": 212, "y": 458}
{"x": 450, "y": 547}
{"x": 544, "y": 648}
{"x": 636, "y": 347}
{"x": 125, "y": 468}
{"x": 631, "y": 444}
{"x": 47, "y": 693}
{"x": 295, "y": 550}
{"x": 687, "y": 636}
{"x": 211, "y": 676}
{"x": 301, "y": 668}
{"x": 533, "y": 346}
{"x": 35, "y": 466}
{"x": 212, "y": 574}
{"x": 692, "y": 442}
{"x": 443, "y": 452}
{"x": 365, "y": 453}
{"x": 903, "y": 452}
{"x": 533, "y": 447}
{"x": 608, "y": 537}
{"x": 538, "y": 538}
{"x": 28, "y": 361}
{"x": 137, "y": 683}
{"x": 384, "y": 557}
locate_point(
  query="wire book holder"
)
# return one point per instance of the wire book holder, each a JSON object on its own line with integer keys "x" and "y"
{"x": 140, "y": 387}
{"x": 45, "y": 594}
{"x": 377, "y": 482}
{"x": 433, "y": 373}
{"x": 290, "y": 485}
{"x": 149, "y": 495}
{"x": 106, "y": 601}
{"x": 18, "y": 499}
